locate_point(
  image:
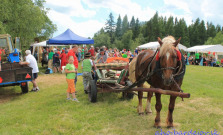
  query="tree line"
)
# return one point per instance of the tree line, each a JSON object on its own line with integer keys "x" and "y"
{"x": 130, "y": 34}
{"x": 26, "y": 19}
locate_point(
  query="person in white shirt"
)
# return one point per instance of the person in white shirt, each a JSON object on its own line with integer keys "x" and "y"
{"x": 31, "y": 62}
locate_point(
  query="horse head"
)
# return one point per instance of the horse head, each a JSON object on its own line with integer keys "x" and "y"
{"x": 168, "y": 56}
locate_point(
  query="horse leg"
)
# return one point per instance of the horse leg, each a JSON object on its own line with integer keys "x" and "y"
{"x": 148, "y": 104}
{"x": 169, "y": 119}
{"x": 158, "y": 109}
{"x": 140, "y": 108}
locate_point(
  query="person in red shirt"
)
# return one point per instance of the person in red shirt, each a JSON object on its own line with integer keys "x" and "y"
{"x": 63, "y": 58}
{"x": 73, "y": 52}
{"x": 222, "y": 61}
{"x": 58, "y": 51}
{"x": 92, "y": 51}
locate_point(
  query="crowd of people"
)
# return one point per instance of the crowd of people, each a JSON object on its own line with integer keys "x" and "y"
{"x": 57, "y": 58}
{"x": 202, "y": 59}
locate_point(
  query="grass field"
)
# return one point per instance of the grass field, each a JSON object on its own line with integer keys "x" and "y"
{"x": 47, "y": 111}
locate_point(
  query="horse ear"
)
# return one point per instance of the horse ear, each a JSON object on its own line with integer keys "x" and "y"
{"x": 177, "y": 42}
{"x": 160, "y": 41}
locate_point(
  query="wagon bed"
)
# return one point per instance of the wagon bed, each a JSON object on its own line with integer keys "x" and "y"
{"x": 114, "y": 83}
{"x": 15, "y": 74}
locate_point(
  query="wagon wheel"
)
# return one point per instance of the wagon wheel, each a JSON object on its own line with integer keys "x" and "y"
{"x": 92, "y": 94}
{"x": 24, "y": 87}
{"x": 128, "y": 95}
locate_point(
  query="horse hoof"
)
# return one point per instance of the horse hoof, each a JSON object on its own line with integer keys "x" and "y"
{"x": 148, "y": 113}
{"x": 158, "y": 127}
{"x": 169, "y": 127}
{"x": 141, "y": 114}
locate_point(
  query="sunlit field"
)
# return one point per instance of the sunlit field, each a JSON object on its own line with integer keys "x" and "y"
{"x": 48, "y": 112}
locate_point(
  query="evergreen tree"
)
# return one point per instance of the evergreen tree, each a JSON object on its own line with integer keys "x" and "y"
{"x": 218, "y": 39}
{"x": 132, "y": 23}
{"x": 169, "y": 28}
{"x": 161, "y": 26}
{"x": 194, "y": 33}
{"x": 136, "y": 29}
{"x": 202, "y": 33}
{"x": 156, "y": 32}
{"x": 118, "y": 31}
{"x": 110, "y": 27}
{"x": 125, "y": 24}
{"x": 127, "y": 39}
{"x": 218, "y": 28}
{"x": 136, "y": 33}
{"x": 211, "y": 31}
{"x": 182, "y": 31}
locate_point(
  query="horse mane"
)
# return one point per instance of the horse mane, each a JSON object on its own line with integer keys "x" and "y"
{"x": 167, "y": 46}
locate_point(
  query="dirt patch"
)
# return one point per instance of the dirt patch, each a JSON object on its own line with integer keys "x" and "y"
{"x": 8, "y": 93}
{"x": 50, "y": 80}
{"x": 200, "y": 104}
{"x": 220, "y": 125}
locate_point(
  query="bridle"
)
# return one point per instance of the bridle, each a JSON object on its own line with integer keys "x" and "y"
{"x": 172, "y": 68}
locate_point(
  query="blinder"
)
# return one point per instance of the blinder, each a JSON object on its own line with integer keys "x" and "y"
{"x": 178, "y": 55}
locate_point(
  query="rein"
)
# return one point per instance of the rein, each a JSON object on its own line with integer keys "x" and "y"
{"x": 149, "y": 74}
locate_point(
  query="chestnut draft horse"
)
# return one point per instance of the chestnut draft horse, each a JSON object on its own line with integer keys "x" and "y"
{"x": 168, "y": 68}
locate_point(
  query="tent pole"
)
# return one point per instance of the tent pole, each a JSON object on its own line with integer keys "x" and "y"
{"x": 38, "y": 54}
{"x": 34, "y": 49}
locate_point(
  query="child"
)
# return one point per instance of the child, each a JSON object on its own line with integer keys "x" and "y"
{"x": 70, "y": 76}
{"x": 86, "y": 68}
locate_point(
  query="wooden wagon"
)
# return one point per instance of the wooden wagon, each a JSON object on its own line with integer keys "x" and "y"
{"x": 113, "y": 77}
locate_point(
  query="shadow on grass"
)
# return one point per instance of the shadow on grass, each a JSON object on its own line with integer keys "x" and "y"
{"x": 8, "y": 93}
{"x": 110, "y": 97}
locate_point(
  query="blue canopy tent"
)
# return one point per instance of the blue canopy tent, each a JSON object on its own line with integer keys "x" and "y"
{"x": 68, "y": 38}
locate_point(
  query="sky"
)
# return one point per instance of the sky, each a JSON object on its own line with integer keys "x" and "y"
{"x": 86, "y": 17}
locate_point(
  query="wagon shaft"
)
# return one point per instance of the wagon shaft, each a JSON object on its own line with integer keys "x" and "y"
{"x": 165, "y": 92}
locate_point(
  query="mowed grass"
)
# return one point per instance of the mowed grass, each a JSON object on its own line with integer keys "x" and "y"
{"x": 48, "y": 112}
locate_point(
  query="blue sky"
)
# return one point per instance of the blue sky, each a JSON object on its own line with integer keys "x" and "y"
{"x": 86, "y": 17}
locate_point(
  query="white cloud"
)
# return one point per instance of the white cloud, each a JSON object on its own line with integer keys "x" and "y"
{"x": 84, "y": 29}
{"x": 70, "y": 7}
{"x": 123, "y": 7}
{"x": 207, "y": 10}
{"x": 179, "y": 4}
{"x": 63, "y": 13}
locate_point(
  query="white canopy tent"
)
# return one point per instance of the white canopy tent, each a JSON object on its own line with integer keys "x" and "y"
{"x": 155, "y": 45}
{"x": 42, "y": 44}
{"x": 38, "y": 45}
{"x": 218, "y": 49}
